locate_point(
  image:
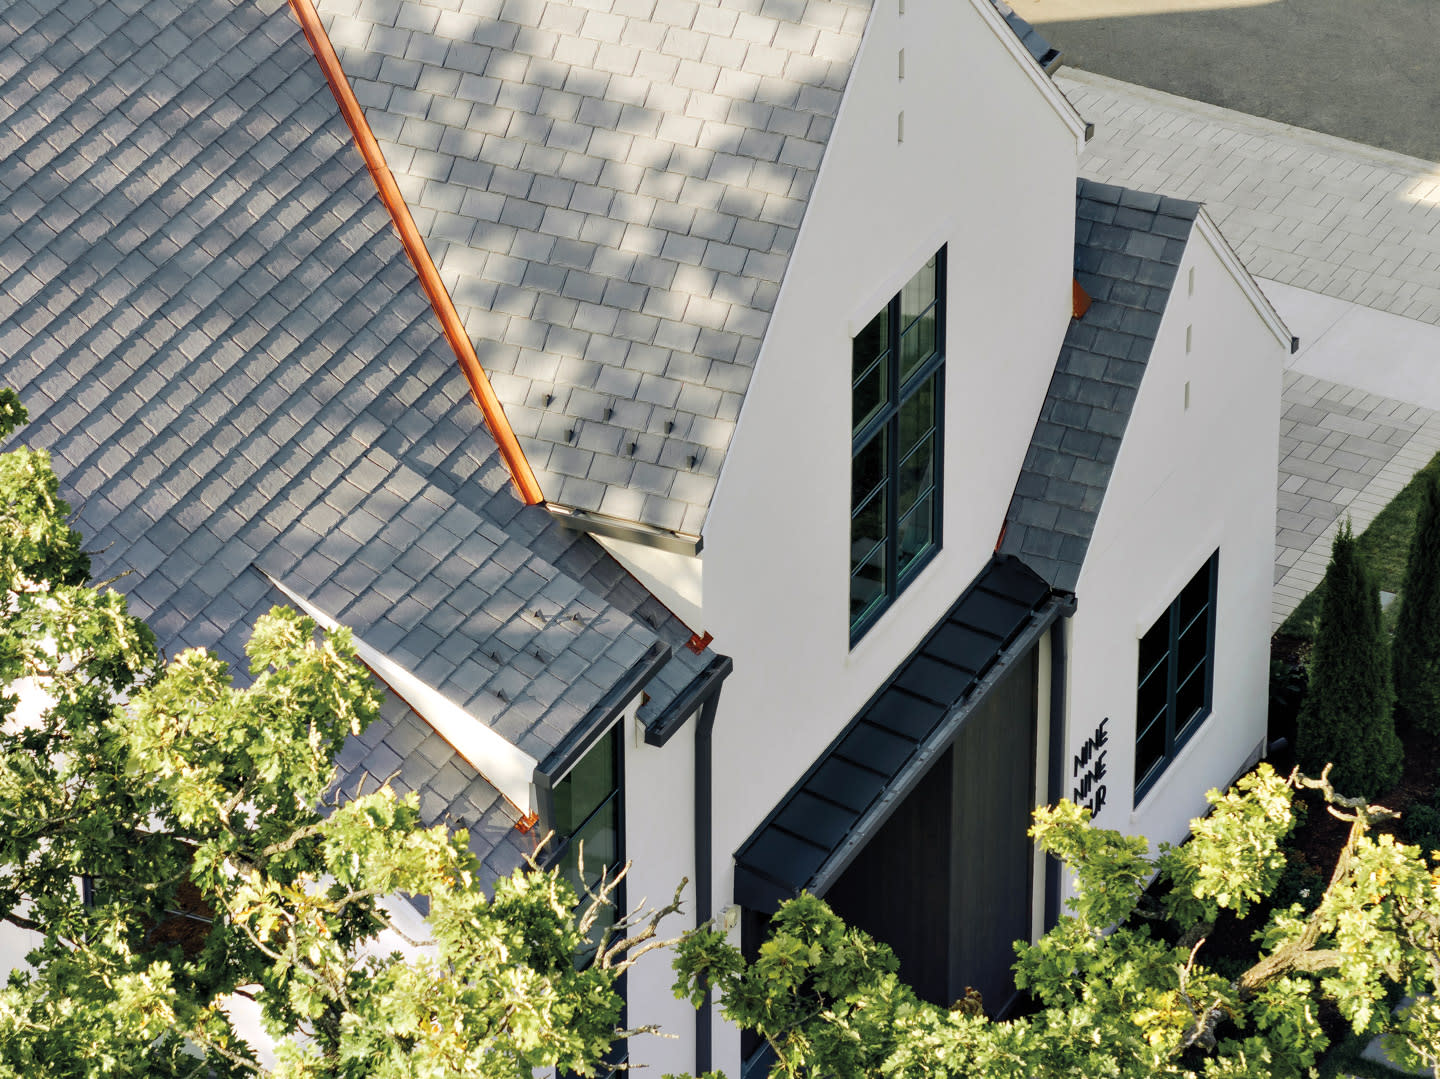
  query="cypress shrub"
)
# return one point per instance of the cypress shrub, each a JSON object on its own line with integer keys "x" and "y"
{"x": 1347, "y": 717}
{"x": 1417, "y": 629}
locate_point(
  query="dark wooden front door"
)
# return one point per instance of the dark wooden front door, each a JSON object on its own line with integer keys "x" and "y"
{"x": 946, "y": 880}
{"x": 991, "y": 859}
{"x": 898, "y": 887}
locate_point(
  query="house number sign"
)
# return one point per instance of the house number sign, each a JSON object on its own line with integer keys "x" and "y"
{"x": 1088, "y": 771}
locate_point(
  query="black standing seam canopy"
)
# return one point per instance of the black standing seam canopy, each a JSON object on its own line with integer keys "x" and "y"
{"x": 825, "y": 817}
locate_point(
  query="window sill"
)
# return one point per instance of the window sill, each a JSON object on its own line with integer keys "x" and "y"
{"x": 913, "y": 575}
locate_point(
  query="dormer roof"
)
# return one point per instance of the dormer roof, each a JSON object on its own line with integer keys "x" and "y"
{"x": 1128, "y": 247}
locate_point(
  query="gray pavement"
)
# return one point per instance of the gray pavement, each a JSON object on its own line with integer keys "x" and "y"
{"x": 1306, "y": 209}
{"x": 1359, "y": 70}
{"x": 1344, "y": 453}
{"x": 1345, "y": 240}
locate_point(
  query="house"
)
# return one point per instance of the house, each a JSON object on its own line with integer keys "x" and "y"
{"x": 846, "y": 479}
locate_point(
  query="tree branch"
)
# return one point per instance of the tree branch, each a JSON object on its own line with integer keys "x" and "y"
{"x": 296, "y": 838}
{"x": 637, "y": 944}
{"x": 20, "y": 921}
{"x": 1298, "y": 954}
{"x": 1365, "y": 814}
{"x": 232, "y": 1057}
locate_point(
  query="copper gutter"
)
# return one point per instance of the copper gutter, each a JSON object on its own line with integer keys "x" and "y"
{"x": 365, "y": 141}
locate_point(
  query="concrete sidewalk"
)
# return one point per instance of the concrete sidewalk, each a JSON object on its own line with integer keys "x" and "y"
{"x": 1345, "y": 240}
{"x": 1346, "y": 450}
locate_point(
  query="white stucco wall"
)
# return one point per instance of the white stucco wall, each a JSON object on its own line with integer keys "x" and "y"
{"x": 15, "y": 944}
{"x": 987, "y": 167}
{"x": 660, "y": 843}
{"x": 1188, "y": 480}
{"x": 777, "y": 541}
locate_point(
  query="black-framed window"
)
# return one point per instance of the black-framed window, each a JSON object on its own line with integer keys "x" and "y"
{"x": 588, "y": 812}
{"x": 1176, "y": 676}
{"x": 897, "y": 390}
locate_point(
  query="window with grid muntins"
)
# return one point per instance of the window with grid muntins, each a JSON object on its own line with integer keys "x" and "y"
{"x": 589, "y": 817}
{"x": 1176, "y": 676}
{"x": 897, "y": 384}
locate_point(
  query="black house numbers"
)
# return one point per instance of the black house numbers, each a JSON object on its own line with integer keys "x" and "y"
{"x": 1088, "y": 772}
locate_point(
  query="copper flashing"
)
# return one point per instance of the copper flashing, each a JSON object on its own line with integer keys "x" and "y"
{"x": 1079, "y": 300}
{"x": 414, "y": 245}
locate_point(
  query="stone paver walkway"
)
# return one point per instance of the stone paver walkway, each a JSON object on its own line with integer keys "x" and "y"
{"x": 1343, "y": 452}
{"x": 1323, "y": 214}
{"x": 1306, "y": 209}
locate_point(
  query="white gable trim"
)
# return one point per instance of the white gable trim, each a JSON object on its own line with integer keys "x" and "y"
{"x": 506, "y": 767}
{"x": 1042, "y": 82}
{"x": 1248, "y": 285}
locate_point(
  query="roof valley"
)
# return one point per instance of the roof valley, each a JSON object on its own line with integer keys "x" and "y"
{"x": 229, "y": 359}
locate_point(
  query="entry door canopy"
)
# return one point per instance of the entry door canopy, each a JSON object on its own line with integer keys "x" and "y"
{"x": 826, "y": 818}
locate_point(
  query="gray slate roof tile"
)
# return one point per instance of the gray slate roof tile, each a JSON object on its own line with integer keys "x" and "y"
{"x": 222, "y": 344}
{"x": 1077, "y": 437}
{"x": 616, "y": 181}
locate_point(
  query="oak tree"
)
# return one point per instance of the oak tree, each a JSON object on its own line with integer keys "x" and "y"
{"x": 1123, "y": 985}
{"x": 167, "y": 852}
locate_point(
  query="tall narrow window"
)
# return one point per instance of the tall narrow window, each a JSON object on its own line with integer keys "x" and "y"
{"x": 897, "y": 384}
{"x": 588, "y": 805}
{"x": 1176, "y": 675}
{"x": 587, "y": 813}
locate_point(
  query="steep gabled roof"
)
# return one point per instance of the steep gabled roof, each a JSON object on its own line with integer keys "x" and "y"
{"x": 205, "y": 308}
{"x": 1128, "y": 246}
{"x": 611, "y": 191}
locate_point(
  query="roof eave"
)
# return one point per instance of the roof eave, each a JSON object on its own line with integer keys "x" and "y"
{"x": 1248, "y": 285}
{"x": 1072, "y": 120}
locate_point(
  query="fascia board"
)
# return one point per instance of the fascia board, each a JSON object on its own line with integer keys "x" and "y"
{"x": 1248, "y": 285}
{"x": 992, "y": 18}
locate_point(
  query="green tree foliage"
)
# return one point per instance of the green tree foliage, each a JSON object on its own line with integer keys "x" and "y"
{"x": 1121, "y": 984}
{"x": 825, "y": 996}
{"x": 1417, "y": 628}
{"x": 1347, "y": 717}
{"x": 169, "y": 788}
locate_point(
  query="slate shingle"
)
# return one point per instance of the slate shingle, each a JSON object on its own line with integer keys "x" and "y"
{"x": 618, "y": 146}
{"x": 1041, "y": 51}
{"x": 223, "y": 344}
{"x": 1102, "y": 360}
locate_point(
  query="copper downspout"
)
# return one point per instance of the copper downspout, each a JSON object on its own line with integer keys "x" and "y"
{"x": 480, "y": 387}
